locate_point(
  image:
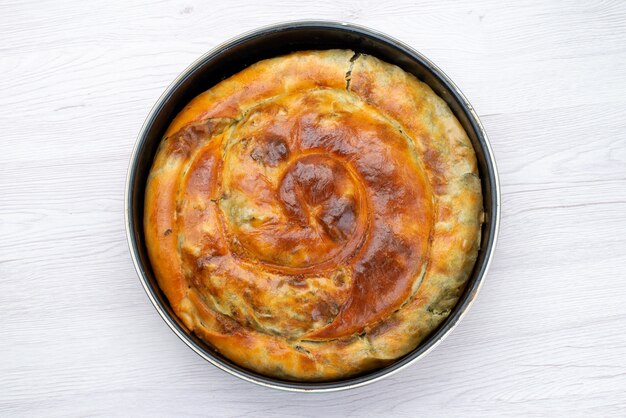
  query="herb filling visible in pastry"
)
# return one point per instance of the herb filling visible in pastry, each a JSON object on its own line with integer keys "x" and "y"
{"x": 315, "y": 216}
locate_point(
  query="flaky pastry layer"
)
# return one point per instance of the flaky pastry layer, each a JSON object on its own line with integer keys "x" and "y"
{"x": 315, "y": 216}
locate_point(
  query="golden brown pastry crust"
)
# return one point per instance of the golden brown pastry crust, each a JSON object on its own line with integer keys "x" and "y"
{"x": 314, "y": 216}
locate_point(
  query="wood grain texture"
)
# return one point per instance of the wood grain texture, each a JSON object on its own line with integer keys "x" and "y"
{"x": 547, "y": 335}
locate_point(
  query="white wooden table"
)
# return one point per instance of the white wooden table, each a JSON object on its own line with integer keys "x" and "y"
{"x": 78, "y": 335}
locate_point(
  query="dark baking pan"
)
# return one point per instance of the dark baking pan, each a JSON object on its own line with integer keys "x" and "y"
{"x": 231, "y": 57}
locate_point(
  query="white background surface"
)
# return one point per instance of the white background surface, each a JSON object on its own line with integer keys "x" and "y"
{"x": 547, "y": 335}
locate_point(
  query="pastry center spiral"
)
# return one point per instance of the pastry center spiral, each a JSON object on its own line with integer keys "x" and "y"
{"x": 315, "y": 213}
{"x": 322, "y": 211}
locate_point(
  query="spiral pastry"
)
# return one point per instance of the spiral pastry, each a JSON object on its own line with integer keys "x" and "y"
{"x": 314, "y": 216}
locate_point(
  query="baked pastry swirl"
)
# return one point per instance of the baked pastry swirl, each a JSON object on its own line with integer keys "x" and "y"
{"x": 314, "y": 216}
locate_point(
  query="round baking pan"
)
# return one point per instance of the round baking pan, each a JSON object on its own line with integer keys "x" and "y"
{"x": 230, "y": 58}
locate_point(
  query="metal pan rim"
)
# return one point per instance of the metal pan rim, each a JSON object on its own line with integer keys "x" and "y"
{"x": 463, "y": 304}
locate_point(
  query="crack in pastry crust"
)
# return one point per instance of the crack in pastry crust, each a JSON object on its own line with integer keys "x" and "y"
{"x": 314, "y": 216}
